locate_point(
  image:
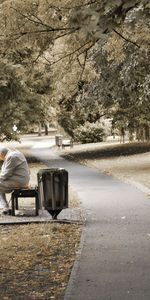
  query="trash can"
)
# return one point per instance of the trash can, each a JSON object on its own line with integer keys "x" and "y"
{"x": 58, "y": 140}
{"x": 53, "y": 190}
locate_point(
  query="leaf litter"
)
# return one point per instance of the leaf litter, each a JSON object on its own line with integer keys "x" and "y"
{"x": 36, "y": 259}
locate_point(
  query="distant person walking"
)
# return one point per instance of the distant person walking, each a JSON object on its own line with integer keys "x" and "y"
{"x": 14, "y": 174}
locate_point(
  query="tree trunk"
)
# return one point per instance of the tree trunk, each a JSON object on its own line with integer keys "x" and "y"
{"x": 46, "y": 129}
{"x": 40, "y": 129}
{"x": 147, "y": 132}
{"x": 122, "y": 135}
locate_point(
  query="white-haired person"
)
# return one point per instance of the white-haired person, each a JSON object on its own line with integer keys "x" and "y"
{"x": 14, "y": 174}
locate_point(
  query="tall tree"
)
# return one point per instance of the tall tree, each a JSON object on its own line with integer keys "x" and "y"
{"x": 86, "y": 30}
{"x": 11, "y": 93}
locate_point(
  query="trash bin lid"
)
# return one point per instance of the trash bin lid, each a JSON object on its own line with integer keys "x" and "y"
{"x": 51, "y": 170}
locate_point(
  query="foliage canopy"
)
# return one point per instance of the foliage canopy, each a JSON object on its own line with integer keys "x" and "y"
{"x": 89, "y": 57}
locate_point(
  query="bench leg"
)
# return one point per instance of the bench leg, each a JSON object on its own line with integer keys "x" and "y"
{"x": 16, "y": 203}
{"x": 37, "y": 204}
{"x": 13, "y": 206}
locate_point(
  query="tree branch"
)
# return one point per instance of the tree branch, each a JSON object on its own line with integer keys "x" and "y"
{"x": 78, "y": 60}
{"x": 126, "y": 39}
{"x": 83, "y": 65}
{"x": 38, "y": 22}
{"x": 74, "y": 7}
{"x": 68, "y": 54}
{"x": 29, "y": 18}
{"x": 19, "y": 34}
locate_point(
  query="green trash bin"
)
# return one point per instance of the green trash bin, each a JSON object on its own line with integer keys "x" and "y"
{"x": 53, "y": 190}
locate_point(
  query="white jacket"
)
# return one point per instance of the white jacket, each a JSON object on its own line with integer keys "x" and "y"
{"x": 15, "y": 170}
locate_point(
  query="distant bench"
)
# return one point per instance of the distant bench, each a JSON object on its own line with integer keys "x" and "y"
{"x": 67, "y": 143}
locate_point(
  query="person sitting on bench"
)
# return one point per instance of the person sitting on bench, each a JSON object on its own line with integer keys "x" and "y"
{"x": 14, "y": 174}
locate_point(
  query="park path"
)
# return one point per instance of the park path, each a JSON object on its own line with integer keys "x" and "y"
{"x": 113, "y": 262}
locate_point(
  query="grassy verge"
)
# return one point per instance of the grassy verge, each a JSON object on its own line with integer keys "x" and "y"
{"x": 129, "y": 162}
{"x": 102, "y": 150}
{"x": 36, "y": 259}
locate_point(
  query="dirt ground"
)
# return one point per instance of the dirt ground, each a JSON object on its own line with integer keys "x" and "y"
{"x": 36, "y": 259}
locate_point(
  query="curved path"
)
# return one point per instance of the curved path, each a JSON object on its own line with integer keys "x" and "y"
{"x": 113, "y": 262}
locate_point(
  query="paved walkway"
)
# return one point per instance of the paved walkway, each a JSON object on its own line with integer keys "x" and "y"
{"x": 113, "y": 262}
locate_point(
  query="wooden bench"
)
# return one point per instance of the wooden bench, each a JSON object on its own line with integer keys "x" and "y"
{"x": 67, "y": 143}
{"x": 24, "y": 193}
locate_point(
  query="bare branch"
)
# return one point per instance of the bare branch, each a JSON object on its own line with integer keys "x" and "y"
{"x": 39, "y": 22}
{"x": 29, "y": 18}
{"x": 68, "y": 54}
{"x": 74, "y": 7}
{"x": 66, "y": 33}
{"x": 126, "y": 39}
{"x": 87, "y": 49}
{"x": 84, "y": 63}
{"x": 19, "y": 34}
{"x": 78, "y": 60}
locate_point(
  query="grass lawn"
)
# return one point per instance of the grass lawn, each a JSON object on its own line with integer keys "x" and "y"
{"x": 36, "y": 259}
{"x": 129, "y": 162}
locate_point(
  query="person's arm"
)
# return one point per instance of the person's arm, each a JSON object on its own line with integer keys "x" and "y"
{"x": 8, "y": 167}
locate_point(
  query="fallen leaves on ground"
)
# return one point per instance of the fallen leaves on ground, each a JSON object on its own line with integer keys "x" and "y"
{"x": 36, "y": 260}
